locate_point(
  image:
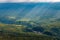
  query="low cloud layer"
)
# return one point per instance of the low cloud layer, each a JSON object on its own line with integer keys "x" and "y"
{"x": 29, "y": 1}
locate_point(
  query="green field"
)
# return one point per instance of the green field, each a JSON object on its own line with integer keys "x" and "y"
{"x": 13, "y": 32}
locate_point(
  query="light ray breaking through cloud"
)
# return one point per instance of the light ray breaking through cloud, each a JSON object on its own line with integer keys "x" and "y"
{"x": 38, "y": 9}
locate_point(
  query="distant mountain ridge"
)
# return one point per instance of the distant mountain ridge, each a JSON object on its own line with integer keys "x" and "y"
{"x": 30, "y": 10}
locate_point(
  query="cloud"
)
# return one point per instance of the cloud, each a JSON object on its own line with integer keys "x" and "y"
{"x": 29, "y": 1}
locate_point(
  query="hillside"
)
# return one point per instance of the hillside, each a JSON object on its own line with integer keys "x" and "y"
{"x": 13, "y": 32}
{"x": 29, "y": 21}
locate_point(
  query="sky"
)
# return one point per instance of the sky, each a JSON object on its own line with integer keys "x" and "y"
{"x": 29, "y": 1}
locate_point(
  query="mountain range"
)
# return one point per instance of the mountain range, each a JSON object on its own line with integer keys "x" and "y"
{"x": 40, "y": 18}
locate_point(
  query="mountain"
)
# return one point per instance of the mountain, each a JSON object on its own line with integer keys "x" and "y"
{"x": 35, "y": 18}
{"x": 30, "y": 10}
